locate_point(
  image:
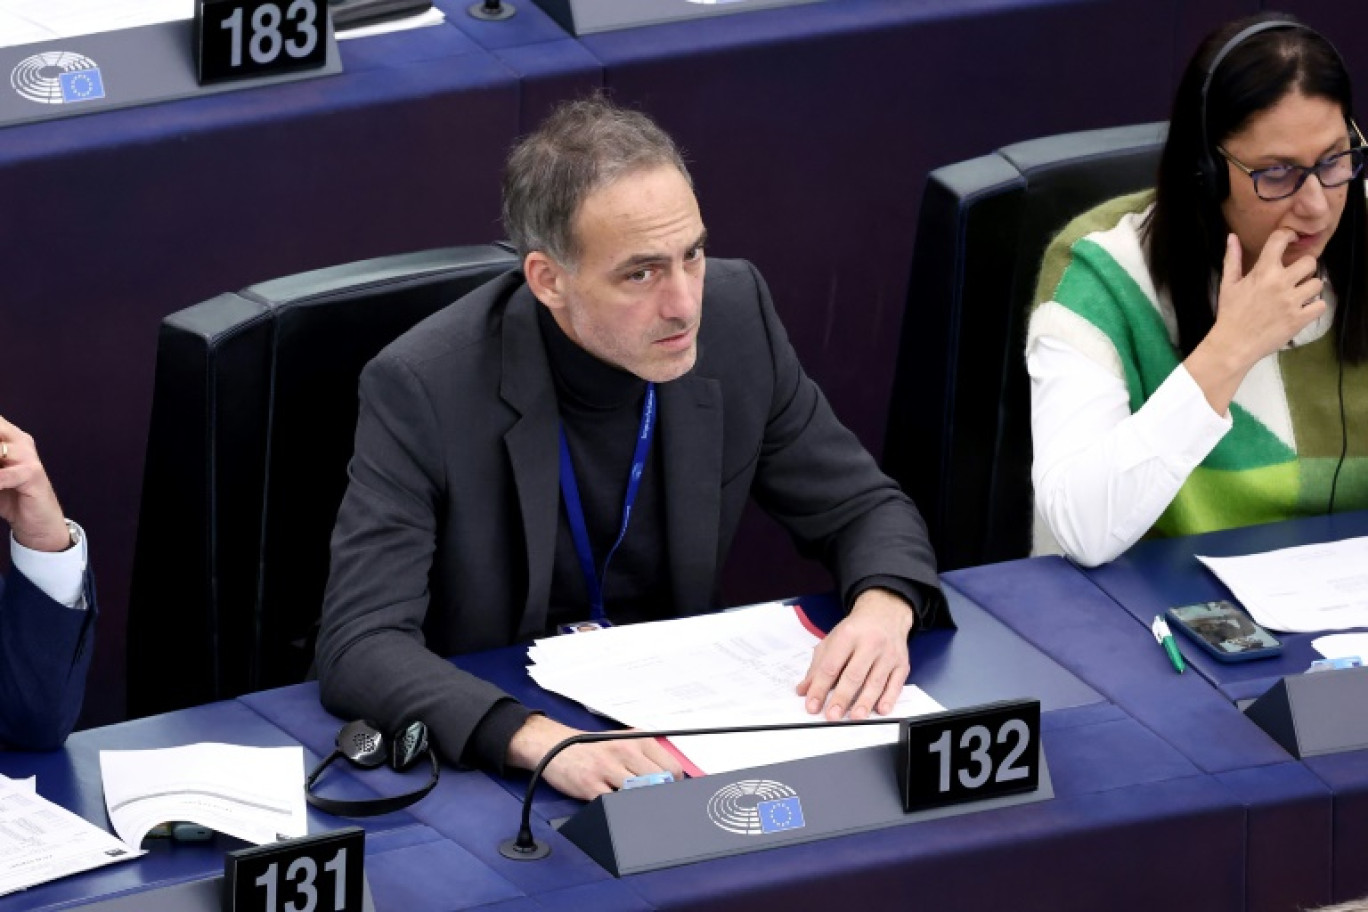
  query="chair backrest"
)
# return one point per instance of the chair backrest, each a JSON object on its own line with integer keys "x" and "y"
{"x": 959, "y": 435}
{"x": 253, "y": 415}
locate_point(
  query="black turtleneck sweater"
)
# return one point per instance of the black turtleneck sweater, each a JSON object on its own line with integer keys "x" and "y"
{"x": 600, "y": 409}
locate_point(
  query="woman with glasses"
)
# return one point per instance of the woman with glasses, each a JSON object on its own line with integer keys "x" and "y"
{"x": 1196, "y": 358}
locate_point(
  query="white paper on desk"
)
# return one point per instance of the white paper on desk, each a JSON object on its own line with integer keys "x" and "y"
{"x": 729, "y": 669}
{"x": 27, "y": 21}
{"x": 29, "y": 785}
{"x": 253, "y": 793}
{"x": 41, "y": 841}
{"x": 1342, "y": 646}
{"x": 430, "y": 16}
{"x": 725, "y": 753}
{"x": 1301, "y": 589}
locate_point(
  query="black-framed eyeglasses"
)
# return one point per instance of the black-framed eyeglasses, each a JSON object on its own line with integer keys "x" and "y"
{"x": 1281, "y": 181}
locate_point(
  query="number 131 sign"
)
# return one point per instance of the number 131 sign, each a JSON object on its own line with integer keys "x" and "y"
{"x": 235, "y": 38}
{"x": 314, "y": 874}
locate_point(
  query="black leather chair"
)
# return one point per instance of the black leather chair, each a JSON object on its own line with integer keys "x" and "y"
{"x": 959, "y": 434}
{"x": 253, "y": 414}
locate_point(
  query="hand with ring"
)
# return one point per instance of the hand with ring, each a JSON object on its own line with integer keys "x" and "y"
{"x": 27, "y": 501}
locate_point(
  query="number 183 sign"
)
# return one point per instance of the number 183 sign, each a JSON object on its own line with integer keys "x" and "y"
{"x": 969, "y": 755}
{"x": 235, "y": 38}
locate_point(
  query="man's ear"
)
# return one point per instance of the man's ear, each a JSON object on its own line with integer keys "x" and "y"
{"x": 546, "y": 278}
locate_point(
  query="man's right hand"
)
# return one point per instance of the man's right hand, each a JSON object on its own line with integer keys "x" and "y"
{"x": 27, "y": 501}
{"x": 586, "y": 771}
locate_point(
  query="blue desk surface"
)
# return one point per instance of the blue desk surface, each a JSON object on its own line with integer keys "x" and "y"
{"x": 1096, "y": 623}
{"x": 1126, "y": 800}
{"x": 1155, "y": 575}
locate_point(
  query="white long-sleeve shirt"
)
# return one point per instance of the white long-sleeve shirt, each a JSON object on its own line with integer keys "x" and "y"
{"x": 1103, "y": 475}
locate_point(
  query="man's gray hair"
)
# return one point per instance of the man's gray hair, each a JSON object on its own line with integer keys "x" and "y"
{"x": 582, "y": 146}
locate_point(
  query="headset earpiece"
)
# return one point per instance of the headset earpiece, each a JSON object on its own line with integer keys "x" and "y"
{"x": 1212, "y": 172}
{"x": 362, "y": 744}
{"x": 409, "y": 746}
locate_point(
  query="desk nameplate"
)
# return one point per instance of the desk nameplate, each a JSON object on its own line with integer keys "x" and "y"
{"x": 644, "y": 829}
{"x": 108, "y": 70}
{"x": 193, "y": 896}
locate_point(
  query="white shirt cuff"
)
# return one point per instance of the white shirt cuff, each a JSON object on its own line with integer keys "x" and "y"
{"x": 59, "y": 574}
{"x": 1177, "y": 425}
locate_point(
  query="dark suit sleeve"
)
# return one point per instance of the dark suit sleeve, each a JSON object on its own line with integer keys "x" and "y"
{"x": 372, "y": 659}
{"x": 823, "y": 486}
{"x": 45, "y": 650}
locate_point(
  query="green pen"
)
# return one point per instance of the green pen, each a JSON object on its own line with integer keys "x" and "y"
{"x": 1165, "y": 639}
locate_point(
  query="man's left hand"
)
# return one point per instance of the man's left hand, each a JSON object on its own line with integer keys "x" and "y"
{"x": 862, "y": 664}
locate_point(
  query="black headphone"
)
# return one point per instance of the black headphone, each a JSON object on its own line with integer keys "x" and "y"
{"x": 362, "y": 744}
{"x": 1211, "y": 172}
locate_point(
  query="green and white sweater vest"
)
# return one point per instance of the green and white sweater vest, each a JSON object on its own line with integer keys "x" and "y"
{"x": 1277, "y": 461}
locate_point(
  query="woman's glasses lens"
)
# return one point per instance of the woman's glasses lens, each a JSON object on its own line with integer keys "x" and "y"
{"x": 1285, "y": 180}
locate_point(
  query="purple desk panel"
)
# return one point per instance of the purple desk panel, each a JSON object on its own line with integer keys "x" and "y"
{"x": 114, "y": 220}
{"x": 1157, "y": 574}
{"x": 1053, "y": 605}
{"x": 550, "y": 64}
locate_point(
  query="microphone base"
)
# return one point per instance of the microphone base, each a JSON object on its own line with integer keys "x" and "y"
{"x": 509, "y": 848}
{"x": 502, "y": 11}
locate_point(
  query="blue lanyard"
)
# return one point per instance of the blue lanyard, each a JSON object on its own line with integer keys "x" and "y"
{"x": 574, "y": 509}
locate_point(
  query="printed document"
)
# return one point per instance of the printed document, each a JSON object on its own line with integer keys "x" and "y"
{"x": 735, "y": 668}
{"x": 1301, "y": 589}
{"x": 253, "y": 793}
{"x": 42, "y": 841}
{"x": 27, "y": 21}
{"x": 1343, "y": 646}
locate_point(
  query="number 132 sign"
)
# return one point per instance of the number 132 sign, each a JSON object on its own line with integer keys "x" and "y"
{"x": 236, "y": 38}
{"x": 969, "y": 755}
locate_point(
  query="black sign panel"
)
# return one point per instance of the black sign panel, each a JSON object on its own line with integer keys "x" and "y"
{"x": 969, "y": 755}
{"x": 237, "y": 38}
{"x": 314, "y": 874}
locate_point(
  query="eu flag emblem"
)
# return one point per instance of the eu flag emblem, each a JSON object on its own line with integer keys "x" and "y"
{"x": 81, "y": 85}
{"x": 780, "y": 814}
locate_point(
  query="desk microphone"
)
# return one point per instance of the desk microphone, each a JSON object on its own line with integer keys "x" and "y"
{"x": 525, "y": 847}
{"x": 492, "y": 10}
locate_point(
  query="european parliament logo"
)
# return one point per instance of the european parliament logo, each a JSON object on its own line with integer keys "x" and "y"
{"x": 753, "y": 807}
{"x": 58, "y": 77}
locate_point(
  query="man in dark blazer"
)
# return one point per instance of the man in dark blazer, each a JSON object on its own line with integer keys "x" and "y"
{"x": 47, "y": 604}
{"x": 614, "y": 403}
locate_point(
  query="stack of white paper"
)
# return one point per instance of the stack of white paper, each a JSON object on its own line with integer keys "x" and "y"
{"x": 253, "y": 793}
{"x": 1301, "y": 589}
{"x": 728, "y": 669}
{"x": 40, "y": 841}
{"x": 27, "y": 21}
{"x": 1342, "y": 646}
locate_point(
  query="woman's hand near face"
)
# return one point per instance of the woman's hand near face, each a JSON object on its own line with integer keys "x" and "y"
{"x": 1256, "y": 315}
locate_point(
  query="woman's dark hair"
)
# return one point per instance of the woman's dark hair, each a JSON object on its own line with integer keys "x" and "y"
{"x": 1186, "y": 231}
